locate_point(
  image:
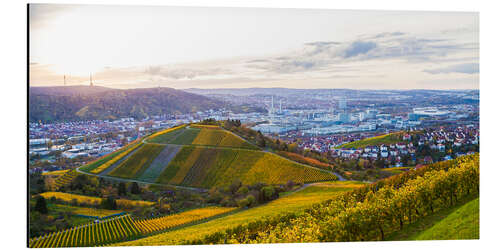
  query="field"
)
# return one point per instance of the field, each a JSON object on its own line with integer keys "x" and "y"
{"x": 90, "y": 200}
{"x": 291, "y": 203}
{"x": 135, "y": 165}
{"x": 56, "y": 173}
{"x": 374, "y": 141}
{"x": 121, "y": 228}
{"x": 207, "y": 167}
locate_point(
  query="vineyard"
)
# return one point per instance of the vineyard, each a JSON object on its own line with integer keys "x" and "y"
{"x": 294, "y": 202}
{"x": 368, "y": 213}
{"x": 120, "y": 228}
{"x": 219, "y": 137}
{"x": 186, "y": 137}
{"x": 205, "y": 135}
{"x": 105, "y": 158}
{"x": 207, "y": 167}
{"x": 135, "y": 165}
{"x": 90, "y": 200}
{"x": 114, "y": 158}
{"x": 56, "y": 173}
{"x": 204, "y": 156}
{"x": 65, "y": 179}
{"x": 166, "y": 135}
{"x": 147, "y": 226}
{"x": 305, "y": 160}
{"x": 205, "y": 126}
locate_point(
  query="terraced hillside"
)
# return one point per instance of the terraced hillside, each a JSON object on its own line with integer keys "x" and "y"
{"x": 203, "y": 157}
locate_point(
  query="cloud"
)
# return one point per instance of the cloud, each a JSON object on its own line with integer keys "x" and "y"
{"x": 321, "y": 55}
{"x": 183, "y": 73}
{"x": 41, "y": 14}
{"x": 359, "y": 48}
{"x": 465, "y": 68}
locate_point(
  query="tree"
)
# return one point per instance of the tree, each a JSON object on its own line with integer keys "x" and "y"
{"x": 41, "y": 205}
{"x": 267, "y": 193}
{"x": 122, "y": 189}
{"x": 109, "y": 203}
{"x": 135, "y": 189}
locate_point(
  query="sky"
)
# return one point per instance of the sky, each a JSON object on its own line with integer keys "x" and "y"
{"x": 188, "y": 47}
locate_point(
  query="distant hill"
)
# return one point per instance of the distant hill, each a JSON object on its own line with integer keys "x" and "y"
{"x": 71, "y": 103}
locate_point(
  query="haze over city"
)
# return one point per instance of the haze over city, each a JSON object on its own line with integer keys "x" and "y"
{"x": 180, "y": 47}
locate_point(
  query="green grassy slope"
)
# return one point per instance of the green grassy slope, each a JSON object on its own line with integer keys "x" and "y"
{"x": 463, "y": 223}
{"x": 458, "y": 222}
{"x": 373, "y": 141}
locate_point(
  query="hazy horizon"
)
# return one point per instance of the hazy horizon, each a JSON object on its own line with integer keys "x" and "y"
{"x": 128, "y": 47}
{"x": 152, "y": 87}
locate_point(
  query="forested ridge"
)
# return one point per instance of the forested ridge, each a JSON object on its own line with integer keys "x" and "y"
{"x": 72, "y": 103}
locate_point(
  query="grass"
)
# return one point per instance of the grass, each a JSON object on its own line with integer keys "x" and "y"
{"x": 458, "y": 222}
{"x": 294, "y": 202}
{"x": 135, "y": 165}
{"x": 374, "y": 141}
{"x": 463, "y": 223}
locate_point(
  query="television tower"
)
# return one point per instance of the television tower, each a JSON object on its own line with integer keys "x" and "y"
{"x": 91, "y": 83}
{"x": 64, "y": 80}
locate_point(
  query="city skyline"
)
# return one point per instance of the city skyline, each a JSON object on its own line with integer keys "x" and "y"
{"x": 123, "y": 47}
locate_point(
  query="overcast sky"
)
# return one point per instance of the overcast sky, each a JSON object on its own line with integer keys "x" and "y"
{"x": 135, "y": 47}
